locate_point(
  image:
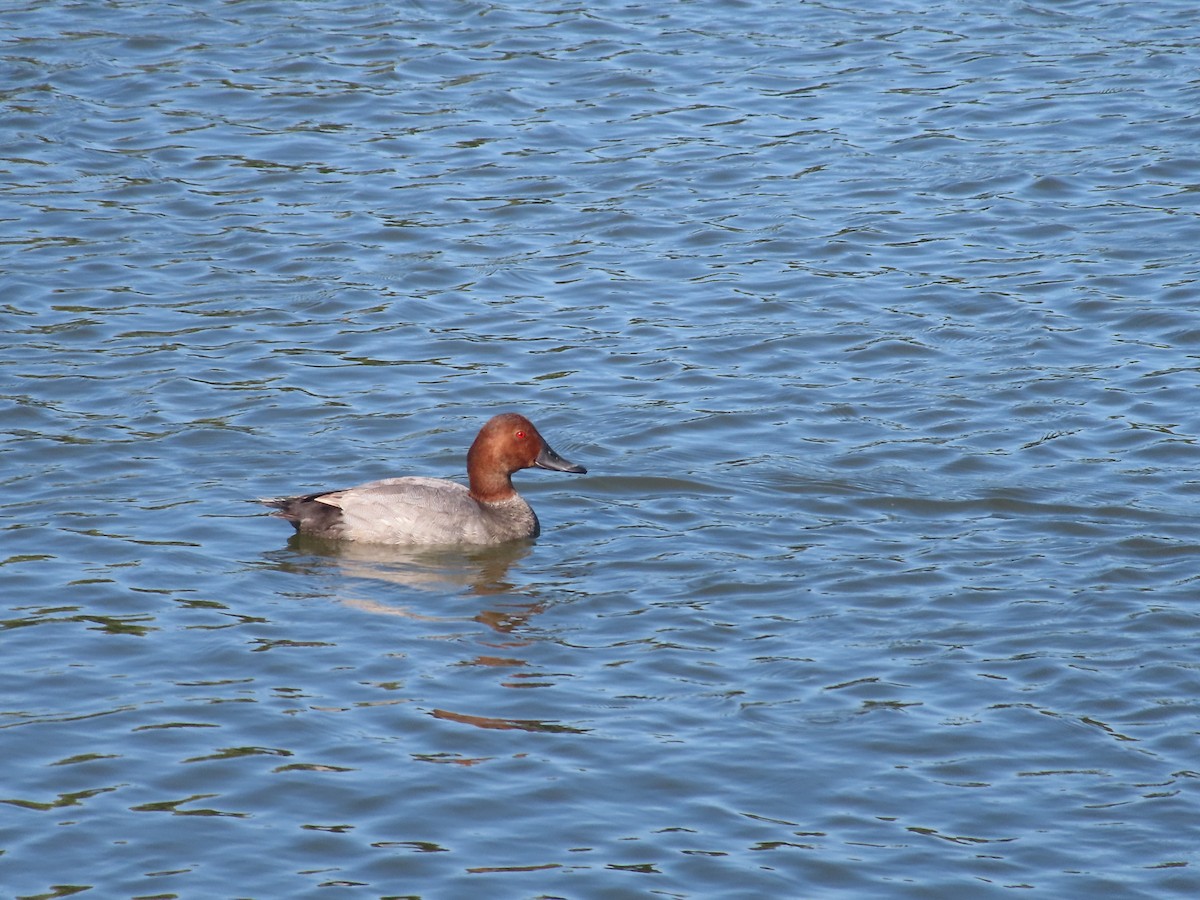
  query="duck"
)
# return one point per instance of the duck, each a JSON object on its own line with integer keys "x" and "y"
{"x": 417, "y": 510}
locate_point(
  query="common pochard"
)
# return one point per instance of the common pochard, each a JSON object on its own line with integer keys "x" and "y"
{"x": 418, "y": 510}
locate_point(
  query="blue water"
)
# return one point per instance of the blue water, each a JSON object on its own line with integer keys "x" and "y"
{"x": 875, "y": 324}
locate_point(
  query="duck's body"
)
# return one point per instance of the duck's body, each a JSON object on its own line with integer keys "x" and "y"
{"x": 417, "y": 510}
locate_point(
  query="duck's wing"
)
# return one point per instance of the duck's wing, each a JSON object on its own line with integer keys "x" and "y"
{"x": 409, "y": 510}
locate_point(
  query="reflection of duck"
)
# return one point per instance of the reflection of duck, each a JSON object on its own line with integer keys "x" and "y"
{"x": 471, "y": 571}
{"x": 432, "y": 510}
{"x": 508, "y": 724}
{"x": 480, "y": 570}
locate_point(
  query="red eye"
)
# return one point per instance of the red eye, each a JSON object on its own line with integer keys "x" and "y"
{"x": 520, "y": 435}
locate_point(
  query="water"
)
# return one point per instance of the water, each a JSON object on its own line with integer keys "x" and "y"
{"x": 875, "y": 325}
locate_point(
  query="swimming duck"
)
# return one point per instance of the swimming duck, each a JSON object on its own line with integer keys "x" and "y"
{"x": 417, "y": 510}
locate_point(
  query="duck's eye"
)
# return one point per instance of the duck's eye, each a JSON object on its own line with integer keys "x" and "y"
{"x": 520, "y": 435}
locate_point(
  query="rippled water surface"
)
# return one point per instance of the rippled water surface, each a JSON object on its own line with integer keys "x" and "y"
{"x": 876, "y": 324}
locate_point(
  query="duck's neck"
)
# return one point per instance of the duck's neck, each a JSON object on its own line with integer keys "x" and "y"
{"x": 489, "y": 481}
{"x": 494, "y": 488}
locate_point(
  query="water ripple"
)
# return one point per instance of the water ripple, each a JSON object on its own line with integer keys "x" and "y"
{"x": 874, "y": 328}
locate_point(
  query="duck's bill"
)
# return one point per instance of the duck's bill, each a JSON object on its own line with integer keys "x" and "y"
{"x": 548, "y": 459}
